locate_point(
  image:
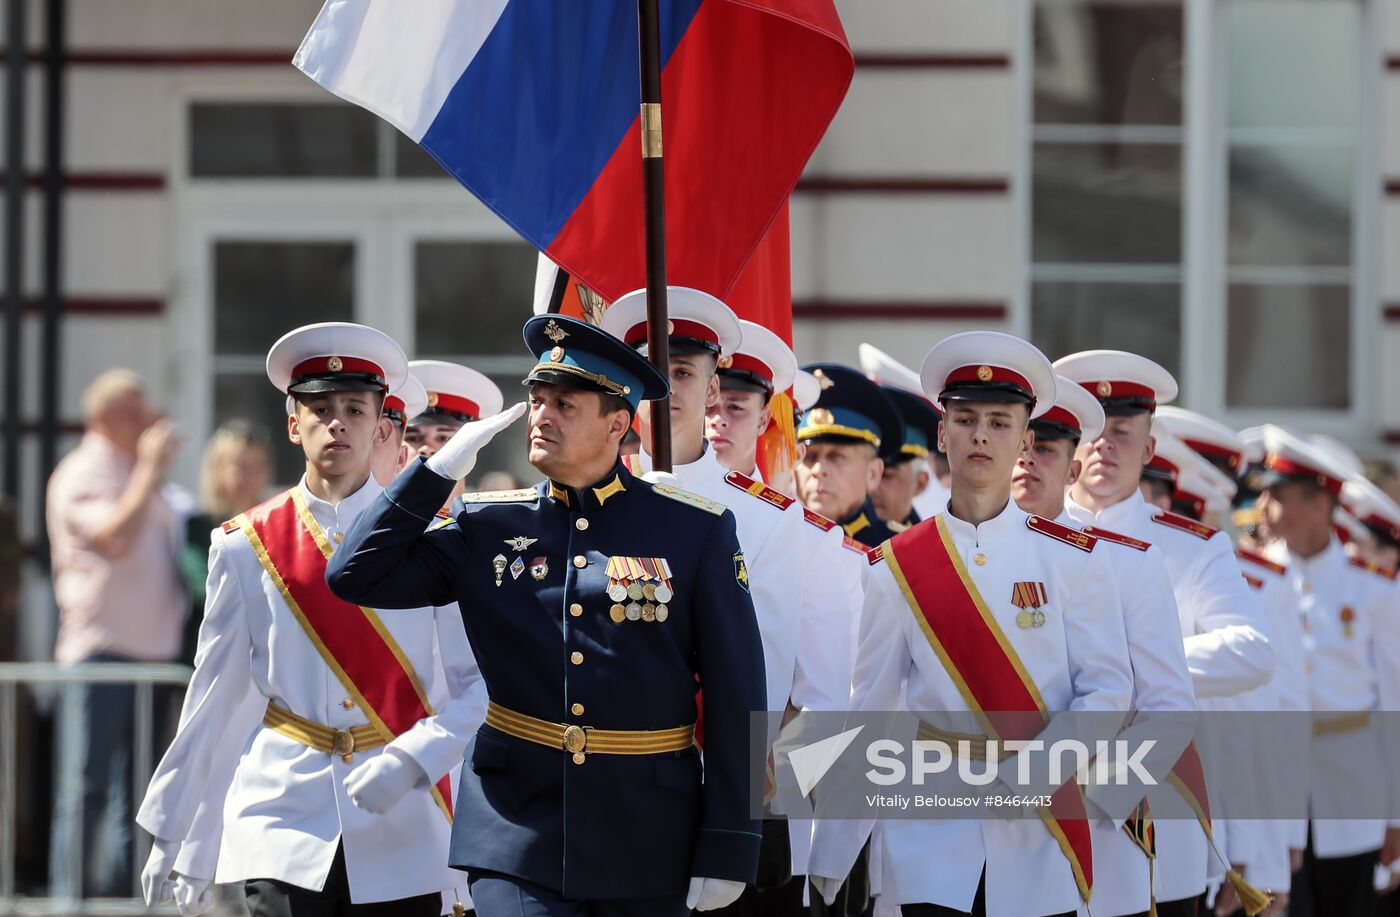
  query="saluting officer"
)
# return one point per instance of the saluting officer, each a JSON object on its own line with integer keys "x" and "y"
{"x": 1163, "y": 705}
{"x": 985, "y": 608}
{"x": 315, "y": 735}
{"x": 849, "y": 434}
{"x": 1224, "y": 633}
{"x": 594, "y": 602}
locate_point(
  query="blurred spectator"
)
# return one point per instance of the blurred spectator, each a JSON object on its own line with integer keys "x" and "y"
{"x": 116, "y": 578}
{"x": 498, "y": 480}
{"x": 9, "y": 581}
{"x": 234, "y": 476}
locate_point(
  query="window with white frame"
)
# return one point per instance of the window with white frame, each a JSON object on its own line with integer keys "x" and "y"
{"x": 467, "y": 288}
{"x": 1277, "y": 90}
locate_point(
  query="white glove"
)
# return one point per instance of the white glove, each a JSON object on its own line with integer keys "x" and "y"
{"x": 826, "y": 887}
{"x": 157, "y": 882}
{"x": 884, "y": 909}
{"x": 457, "y": 457}
{"x": 383, "y": 780}
{"x": 711, "y": 894}
{"x": 661, "y": 477}
{"x": 192, "y": 896}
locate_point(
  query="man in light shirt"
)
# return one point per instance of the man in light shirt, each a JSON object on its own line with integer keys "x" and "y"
{"x": 120, "y": 599}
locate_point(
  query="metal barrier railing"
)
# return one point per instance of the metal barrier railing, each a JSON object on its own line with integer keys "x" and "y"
{"x": 69, "y": 682}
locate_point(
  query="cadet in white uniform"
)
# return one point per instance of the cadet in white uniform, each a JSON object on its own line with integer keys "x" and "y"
{"x": 1161, "y": 684}
{"x": 1351, "y": 637}
{"x": 1223, "y": 629}
{"x": 1042, "y": 597}
{"x": 306, "y": 715}
{"x": 806, "y": 667}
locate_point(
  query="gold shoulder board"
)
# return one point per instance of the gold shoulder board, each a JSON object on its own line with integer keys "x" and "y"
{"x": 690, "y": 499}
{"x": 502, "y": 496}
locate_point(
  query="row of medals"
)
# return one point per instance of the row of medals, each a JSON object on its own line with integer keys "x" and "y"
{"x": 654, "y": 595}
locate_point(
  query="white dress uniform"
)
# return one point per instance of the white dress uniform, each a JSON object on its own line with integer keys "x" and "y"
{"x": 1076, "y": 658}
{"x": 1351, "y": 640}
{"x": 264, "y": 806}
{"x": 1223, "y": 629}
{"x": 1283, "y": 775}
{"x": 1225, "y": 639}
{"x": 1161, "y": 684}
{"x": 1077, "y": 661}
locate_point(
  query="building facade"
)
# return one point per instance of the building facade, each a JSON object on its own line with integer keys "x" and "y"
{"x": 1215, "y": 183}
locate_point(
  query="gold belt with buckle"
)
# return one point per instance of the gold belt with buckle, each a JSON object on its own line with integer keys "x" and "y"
{"x": 1349, "y": 722}
{"x": 581, "y": 741}
{"x": 976, "y": 745}
{"x": 343, "y": 742}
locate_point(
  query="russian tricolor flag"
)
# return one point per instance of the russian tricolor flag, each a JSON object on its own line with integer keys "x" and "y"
{"x": 533, "y": 105}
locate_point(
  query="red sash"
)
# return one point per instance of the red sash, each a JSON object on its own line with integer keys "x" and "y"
{"x": 989, "y": 675}
{"x": 351, "y": 639}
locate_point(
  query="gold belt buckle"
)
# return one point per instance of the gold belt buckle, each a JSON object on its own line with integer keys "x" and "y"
{"x": 343, "y": 744}
{"x": 575, "y": 742}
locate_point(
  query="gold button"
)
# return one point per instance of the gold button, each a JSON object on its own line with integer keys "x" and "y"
{"x": 576, "y": 658}
{"x": 579, "y": 757}
{"x": 576, "y": 709}
{"x": 581, "y": 524}
{"x": 980, "y": 559}
{"x": 580, "y": 561}
{"x": 348, "y": 703}
{"x": 339, "y": 537}
{"x": 575, "y": 609}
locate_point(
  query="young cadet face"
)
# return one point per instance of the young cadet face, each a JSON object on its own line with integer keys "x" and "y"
{"x": 899, "y": 484}
{"x": 1298, "y": 513}
{"x": 983, "y": 441}
{"x": 834, "y": 478}
{"x": 733, "y": 425}
{"x": 427, "y": 438}
{"x": 568, "y": 432}
{"x": 694, "y": 387}
{"x": 1113, "y": 463}
{"x": 338, "y": 430}
{"x": 1042, "y": 473}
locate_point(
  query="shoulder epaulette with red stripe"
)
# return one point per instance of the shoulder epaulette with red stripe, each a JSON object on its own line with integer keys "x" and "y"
{"x": 1377, "y": 569}
{"x": 229, "y": 527}
{"x": 852, "y": 545}
{"x": 1064, "y": 533}
{"x": 769, "y": 495}
{"x": 1185, "y": 524}
{"x": 1259, "y": 560}
{"x": 874, "y": 555}
{"x": 1106, "y": 535}
{"x": 818, "y": 520}
{"x": 1254, "y": 581}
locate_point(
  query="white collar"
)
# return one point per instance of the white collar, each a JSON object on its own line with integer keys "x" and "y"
{"x": 999, "y": 526}
{"x": 1114, "y": 518}
{"x": 342, "y": 514}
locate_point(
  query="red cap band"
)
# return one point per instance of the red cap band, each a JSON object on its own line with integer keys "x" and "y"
{"x": 748, "y": 364}
{"x": 1163, "y": 465}
{"x": 1275, "y": 462}
{"x": 393, "y": 403}
{"x": 988, "y": 375}
{"x": 1377, "y": 521}
{"x": 1116, "y": 390}
{"x": 680, "y": 328}
{"x": 324, "y": 366}
{"x": 445, "y": 402}
{"x": 1196, "y": 504}
{"x": 1060, "y": 415}
{"x": 1232, "y": 457}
